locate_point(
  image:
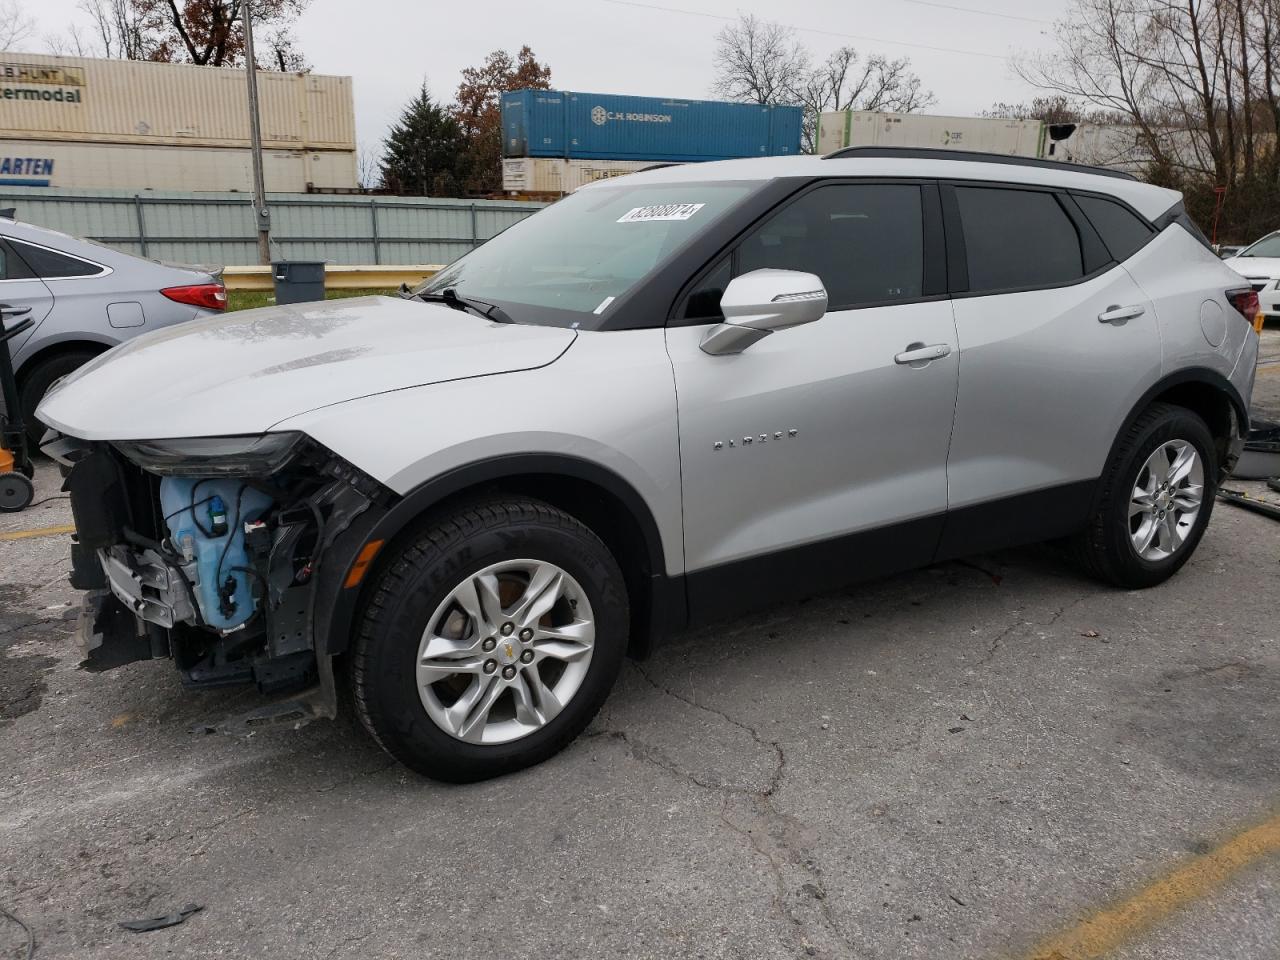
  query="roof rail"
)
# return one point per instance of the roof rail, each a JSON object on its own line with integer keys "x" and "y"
{"x": 660, "y": 166}
{"x": 974, "y": 156}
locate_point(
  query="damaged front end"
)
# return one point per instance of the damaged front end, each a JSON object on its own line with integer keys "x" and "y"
{"x": 213, "y": 552}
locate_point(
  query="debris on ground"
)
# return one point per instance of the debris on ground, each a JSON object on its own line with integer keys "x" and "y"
{"x": 159, "y": 923}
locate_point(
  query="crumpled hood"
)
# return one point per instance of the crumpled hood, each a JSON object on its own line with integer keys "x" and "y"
{"x": 1268, "y": 267}
{"x": 244, "y": 372}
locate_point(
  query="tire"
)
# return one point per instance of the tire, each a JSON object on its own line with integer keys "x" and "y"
{"x": 507, "y": 549}
{"x": 1107, "y": 547}
{"x": 16, "y": 492}
{"x": 35, "y": 384}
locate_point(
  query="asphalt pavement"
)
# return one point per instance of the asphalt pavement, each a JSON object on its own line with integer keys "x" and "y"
{"x": 995, "y": 758}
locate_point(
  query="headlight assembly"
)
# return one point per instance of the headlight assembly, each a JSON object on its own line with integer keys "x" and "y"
{"x": 253, "y": 455}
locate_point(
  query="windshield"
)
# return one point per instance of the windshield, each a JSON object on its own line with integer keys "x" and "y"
{"x": 571, "y": 262}
{"x": 1268, "y": 246}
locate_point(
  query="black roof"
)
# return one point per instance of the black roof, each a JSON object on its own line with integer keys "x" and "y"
{"x": 973, "y": 156}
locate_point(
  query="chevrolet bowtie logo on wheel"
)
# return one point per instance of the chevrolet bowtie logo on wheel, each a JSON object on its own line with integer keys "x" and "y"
{"x": 599, "y": 116}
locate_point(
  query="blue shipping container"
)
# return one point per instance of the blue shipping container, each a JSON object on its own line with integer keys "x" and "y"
{"x": 603, "y": 126}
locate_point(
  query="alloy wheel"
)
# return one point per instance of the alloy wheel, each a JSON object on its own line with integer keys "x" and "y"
{"x": 505, "y": 652}
{"x": 1166, "y": 500}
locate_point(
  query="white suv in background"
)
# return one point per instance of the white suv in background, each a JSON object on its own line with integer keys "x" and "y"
{"x": 663, "y": 400}
{"x": 1259, "y": 263}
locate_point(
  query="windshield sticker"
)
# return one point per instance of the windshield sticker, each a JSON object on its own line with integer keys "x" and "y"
{"x": 661, "y": 211}
{"x": 604, "y": 305}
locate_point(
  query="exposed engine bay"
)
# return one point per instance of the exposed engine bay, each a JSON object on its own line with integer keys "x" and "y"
{"x": 216, "y": 560}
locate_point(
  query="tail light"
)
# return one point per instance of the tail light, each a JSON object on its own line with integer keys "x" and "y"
{"x": 213, "y": 296}
{"x": 1245, "y": 300}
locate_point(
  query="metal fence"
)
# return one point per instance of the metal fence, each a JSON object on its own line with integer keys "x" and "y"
{"x": 218, "y": 228}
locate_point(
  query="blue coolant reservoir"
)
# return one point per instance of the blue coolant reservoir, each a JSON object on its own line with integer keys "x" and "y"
{"x": 212, "y": 534}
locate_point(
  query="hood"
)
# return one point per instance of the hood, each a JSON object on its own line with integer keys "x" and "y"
{"x": 244, "y": 372}
{"x": 1261, "y": 268}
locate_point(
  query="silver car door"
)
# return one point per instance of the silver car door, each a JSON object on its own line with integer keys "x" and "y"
{"x": 817, "y": 456}
{"x": 1059, "y": 344}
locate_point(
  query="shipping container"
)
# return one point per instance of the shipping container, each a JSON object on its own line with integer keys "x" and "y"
{"x": 544, "y": 175}
{"x": 80, "y": 122}
{"x": 53, "y": 163}
{"x": 1117, "y": 147}
{"x": 596, "y": 126}
{"x": 862, "y": 128}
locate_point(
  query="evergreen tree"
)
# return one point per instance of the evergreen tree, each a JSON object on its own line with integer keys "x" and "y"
{"x": 424, "y": 151}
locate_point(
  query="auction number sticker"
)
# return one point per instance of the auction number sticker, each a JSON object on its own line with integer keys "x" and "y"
{"x": 661, "y": 211}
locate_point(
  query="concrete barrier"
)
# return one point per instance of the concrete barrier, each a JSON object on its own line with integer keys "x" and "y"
{"x": 336, "y": 276}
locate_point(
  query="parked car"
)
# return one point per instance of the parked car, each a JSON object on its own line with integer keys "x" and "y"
{"x": 85, "y": 299}
{"x": 1228, "y": 250}
{"x": 667, "y": 398}
{"x": 1259, "y": 263}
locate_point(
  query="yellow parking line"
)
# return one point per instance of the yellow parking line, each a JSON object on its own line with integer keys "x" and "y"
{"x": 1099, "y": 934}
{"x": 38, "y": 532}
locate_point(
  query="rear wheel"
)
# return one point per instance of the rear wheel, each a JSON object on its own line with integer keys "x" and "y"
{"x": 36, "y": 381}
{"x": 491, "y": 640}
{"x": 1156, "y": 498}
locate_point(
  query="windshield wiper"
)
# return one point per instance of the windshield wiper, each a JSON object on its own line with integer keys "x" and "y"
{"x": 449, "y": 297}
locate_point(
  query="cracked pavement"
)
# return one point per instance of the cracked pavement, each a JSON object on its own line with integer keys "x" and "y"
{"x": 950, "y": 763}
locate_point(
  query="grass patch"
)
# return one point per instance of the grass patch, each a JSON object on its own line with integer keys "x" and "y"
{"x": 249, "y": 299}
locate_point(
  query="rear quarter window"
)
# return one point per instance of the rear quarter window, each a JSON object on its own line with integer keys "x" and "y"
{"x": 12, "y": 267}
{"x": 1121, "y": 230}
{"x": 51, "y": 265}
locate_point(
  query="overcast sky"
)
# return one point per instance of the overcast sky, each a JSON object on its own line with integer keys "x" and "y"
{"x": 644, "y": 47}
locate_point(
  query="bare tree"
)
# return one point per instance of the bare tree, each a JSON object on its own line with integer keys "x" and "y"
{"x": 844, "y": 81}
{"x": 759, "y": 62}
{"x": 762, "y": 62}
{"x": 16, "y": 27}
{"x": 77, "y": 42}
{"x": 1195, "y": 80}
{"x": 119, "y": 30}
{"x": 368, "y": 166}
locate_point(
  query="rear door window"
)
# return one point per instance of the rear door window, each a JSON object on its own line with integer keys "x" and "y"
{"x": 1017, "y": 239}
{"x": 864, "y": 240}
{"x": 51, "y": 265}
{"x": 1121, "y": 230}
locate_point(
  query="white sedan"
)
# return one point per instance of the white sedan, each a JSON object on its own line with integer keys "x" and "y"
{"x": 1259, "y": 263}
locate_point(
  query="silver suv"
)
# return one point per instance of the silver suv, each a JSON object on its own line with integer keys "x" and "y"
{"x": 661, "y": 401}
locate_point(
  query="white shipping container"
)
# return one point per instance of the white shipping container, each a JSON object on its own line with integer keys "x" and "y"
{"x": 130, "y": 101}
{"x": 539, "y": 175}
{"x": 1117, "y": 147}
{"x": 859, "y": 128}
{"x": 52, "y": 163}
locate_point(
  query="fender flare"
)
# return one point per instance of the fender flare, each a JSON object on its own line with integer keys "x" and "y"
{"x": 337, "y": 606}
{"x": 1198, "y": 375}
{"x": 1201, "y": 376}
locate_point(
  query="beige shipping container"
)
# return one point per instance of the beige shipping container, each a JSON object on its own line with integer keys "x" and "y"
{"x": 860, "y": 128}
{"x": 83, "y": 123}
{"x": 540, "y": 175}
{"x": 131, "y": 101}
{"x": 54, "y": 163}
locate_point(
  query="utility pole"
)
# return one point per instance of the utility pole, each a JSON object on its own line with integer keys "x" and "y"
{"x": 261, "y": 215}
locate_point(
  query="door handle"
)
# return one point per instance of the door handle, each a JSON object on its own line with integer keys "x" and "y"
{"x": 922, "y": 353}
{"x": 1118, "y": 314}
{"x": 8, "y": 311}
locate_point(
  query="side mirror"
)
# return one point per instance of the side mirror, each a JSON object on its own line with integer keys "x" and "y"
{"x": 760, "y": 302}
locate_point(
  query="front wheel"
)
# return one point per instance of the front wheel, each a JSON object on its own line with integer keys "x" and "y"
{"x": 1155, "y": 499}
{"x": 490, "y": 641}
